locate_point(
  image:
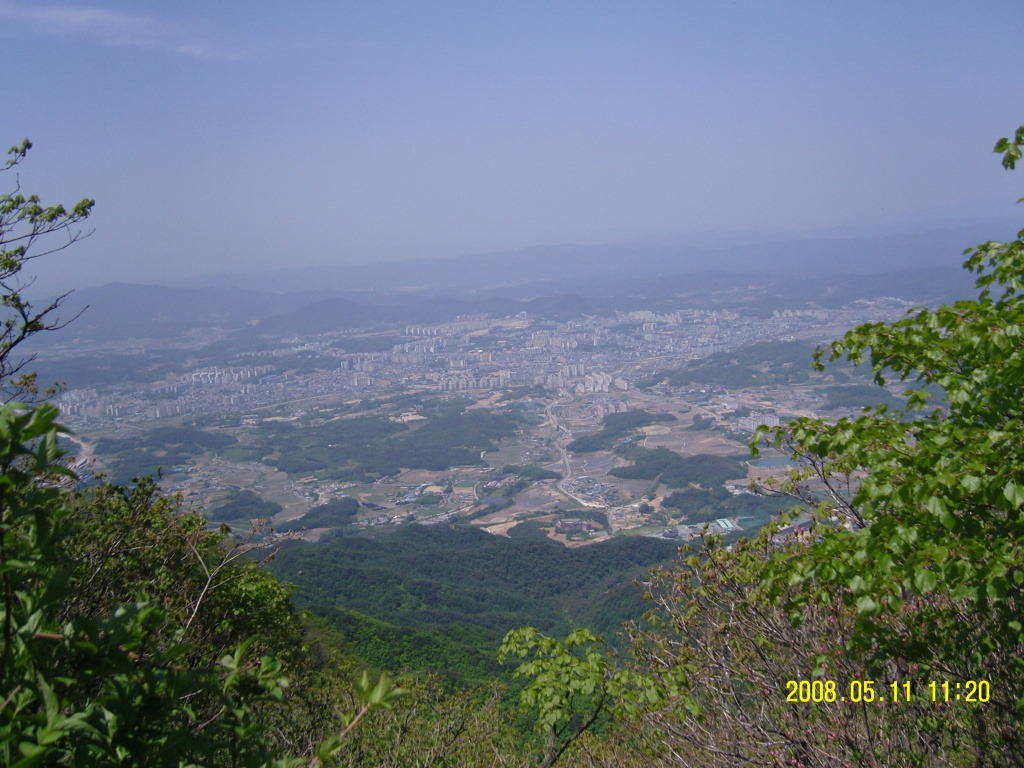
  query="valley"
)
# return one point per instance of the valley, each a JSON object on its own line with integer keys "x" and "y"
{"x": 488, "y": 420}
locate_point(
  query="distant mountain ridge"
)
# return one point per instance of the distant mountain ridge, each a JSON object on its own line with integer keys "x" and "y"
{"x": 555, "y": 282}
{"x": 124, "y": 311}
{"x": 613, "y": 268}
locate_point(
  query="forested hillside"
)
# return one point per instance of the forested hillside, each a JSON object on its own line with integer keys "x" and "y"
{"x": 614, "y": 426}
{"x": 467, "y": 587}
{"x": 368, "y": 447}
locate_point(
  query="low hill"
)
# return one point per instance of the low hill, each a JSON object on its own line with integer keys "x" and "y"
{"x": 467, "y": 585}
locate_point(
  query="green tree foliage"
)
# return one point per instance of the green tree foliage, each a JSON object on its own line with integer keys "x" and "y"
{"x": 452, "y": 439}
{"x": 355, "y": 442}
{"x": 718, "y": 656}
{"x": 614, "y": 426}
{"x": 700, "y": 421}
{"x": 126, "y": 539}
{"x": 761, "y": 364}
{"x": 531, "y": 472}
{"x": 437, "y": 726}
{"x": 330, "y": 515}
{"x": 678, "y": 471}
{"x": 243, "y": 505}
{"x": 91, "y": 690}
{"x": 929, "y": 500}
{"x": 163, "y": 447}
{"x": 368, "y": 447}
{"x": 572, "y": 684}
{"x": 718, "y": 676}
{"x": 458, "y": 652}
{"x": 699, "y": 505}
{"x": 465, "y": 583}
{"x": 28, "y": 230}
{"x": 95, "y": 672}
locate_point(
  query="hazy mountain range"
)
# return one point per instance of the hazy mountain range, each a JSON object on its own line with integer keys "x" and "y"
{"x": 555, "y": 282}
{"x": 610, "y": 269}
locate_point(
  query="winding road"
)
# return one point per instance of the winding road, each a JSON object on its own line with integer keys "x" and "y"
{"x": 567, "y": 475}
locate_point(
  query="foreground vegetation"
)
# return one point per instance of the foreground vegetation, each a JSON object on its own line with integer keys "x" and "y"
{"x": 441, "y": 597}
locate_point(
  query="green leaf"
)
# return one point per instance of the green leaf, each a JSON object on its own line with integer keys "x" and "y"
{"x": 925, "y": 580}
{"x": 866, "y": 604}
{"x": 1014, "y": 493}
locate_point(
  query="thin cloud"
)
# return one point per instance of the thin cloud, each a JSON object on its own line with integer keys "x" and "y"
{"x": 113, "y": 28}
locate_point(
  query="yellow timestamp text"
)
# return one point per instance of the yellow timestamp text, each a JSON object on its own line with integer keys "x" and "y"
{"x": 869, "y": 691}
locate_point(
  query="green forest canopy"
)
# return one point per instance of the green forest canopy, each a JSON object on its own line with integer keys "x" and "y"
{"x": 614, "y": 426}
{"x": 678, "y": 471}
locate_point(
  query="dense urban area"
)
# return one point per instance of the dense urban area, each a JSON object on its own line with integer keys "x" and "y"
{"x": 243, "y": 439}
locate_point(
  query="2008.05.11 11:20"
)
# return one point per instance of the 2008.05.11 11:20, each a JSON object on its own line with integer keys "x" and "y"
{"x": 858, "y": 691}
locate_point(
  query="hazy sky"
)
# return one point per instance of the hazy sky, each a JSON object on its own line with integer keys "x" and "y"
{"x": 228, "y": 136}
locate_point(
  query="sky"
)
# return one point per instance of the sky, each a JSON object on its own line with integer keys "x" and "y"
{"x": 220, "y": 136}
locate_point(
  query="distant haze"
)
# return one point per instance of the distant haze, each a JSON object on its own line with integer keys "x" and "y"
{"x": 611, "y": 268}
{"x": 225, "y": 138}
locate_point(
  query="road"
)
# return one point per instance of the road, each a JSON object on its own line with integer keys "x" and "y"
{"x": 567, "y": 474}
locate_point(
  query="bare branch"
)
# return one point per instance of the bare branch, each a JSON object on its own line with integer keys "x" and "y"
{"x": 28, "y": 231}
